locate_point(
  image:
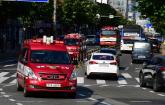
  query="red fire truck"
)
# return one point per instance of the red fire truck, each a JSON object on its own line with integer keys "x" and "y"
{"x": 76, "y": 46}
{"x": 44, "y": 65}
{"x": 109, "y": 36}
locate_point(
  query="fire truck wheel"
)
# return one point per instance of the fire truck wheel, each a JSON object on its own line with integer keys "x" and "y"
{"x": 25, "y": 92}
{"x": 19, "y": 88}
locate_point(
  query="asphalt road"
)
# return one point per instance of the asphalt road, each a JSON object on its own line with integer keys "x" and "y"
{"x": 95, "y": 91}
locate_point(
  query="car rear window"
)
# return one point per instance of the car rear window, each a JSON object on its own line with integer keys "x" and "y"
{"x": 49, "y": 57}
{"x": 108, "y": 51}
{"x": 103, "y": 57}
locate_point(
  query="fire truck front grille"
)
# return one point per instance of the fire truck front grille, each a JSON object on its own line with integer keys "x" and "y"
{"x": 53, "y": 88}
{"x": 52, "y": 76}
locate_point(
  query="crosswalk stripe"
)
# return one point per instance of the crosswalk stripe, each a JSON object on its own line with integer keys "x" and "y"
{"x": 100, "y": 82}
{"x": 80, "y": 80}
{"x": 126, "y": 75}
{"x": 2, "y": 79}
{"x": 137, "y": 79}
{"x": 122, "y": 81}
{"x": 2, "y": 74}
{"x": 14, "y": 75}
{"x": 14, "y": 81}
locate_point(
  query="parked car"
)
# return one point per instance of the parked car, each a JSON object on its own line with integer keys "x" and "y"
{"x": 112, "y": 51}
{"x": 141, "y": 51}
{"x": 102, "y": 64}
{"x": 153, "y": 73}
{"x": 91, "y": 39}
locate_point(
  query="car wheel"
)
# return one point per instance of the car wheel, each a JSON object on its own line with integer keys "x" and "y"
{"x": 19, "y": 88}
{"x": 88, "y": 76}
{"x": 156, "y": 85}
{"x": 141, "y": 78}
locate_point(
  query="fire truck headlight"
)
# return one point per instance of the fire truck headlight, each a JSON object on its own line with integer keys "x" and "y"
{"x": 30, "y": 73}
{"x": 73, "y": 75}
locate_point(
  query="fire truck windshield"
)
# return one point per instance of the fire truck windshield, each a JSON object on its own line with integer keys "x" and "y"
{"x": 71, "y": 41}
{"x": 108, "y": 32}
{"x": 49, "y": 57}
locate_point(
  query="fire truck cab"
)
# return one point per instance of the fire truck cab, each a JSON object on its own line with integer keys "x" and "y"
{"x": 44, "y": 65}
{"x": 76, "y": 46}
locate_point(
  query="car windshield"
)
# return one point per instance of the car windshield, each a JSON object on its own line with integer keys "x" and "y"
{"x": 71, "y": 42}
{"x": 108, "y": 51}
{"x": 49, "y": 57}
{"x": 103, "y": 57}
{"x": 108, "y": 32}
{"x": 145, "y": 47}
{"x": 90, "y": 37}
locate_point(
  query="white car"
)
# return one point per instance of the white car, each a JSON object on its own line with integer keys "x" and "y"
{"x": 102, "y": 64}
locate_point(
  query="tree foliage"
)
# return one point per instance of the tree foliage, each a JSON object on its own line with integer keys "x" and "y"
{"x": 29, "y": 12}
{"x": 79, "y": 12}
{"x": 155, "y": 10}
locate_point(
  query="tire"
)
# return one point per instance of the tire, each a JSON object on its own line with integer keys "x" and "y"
{"x": 19, "y": 88}
{"x": 156, "y": 85}
{"x": 141, "y": 78}
{"x": 25, "y": 92}
{"x": 88, "y": 76}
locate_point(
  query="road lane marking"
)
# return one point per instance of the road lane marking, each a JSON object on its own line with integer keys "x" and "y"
{"x": 100, "y": 82}
{"x": 2, "y": 79}
{"x": 14, "y": 81}
{"x": 19, "y": 103}
{"x": 122, "y": 81}
{"x": 137, "y": 79}
{"x": 141, "y": 101}
{"x": 80, "y": 80}
{"x": 105, "y": 103}
{"x": 152, "y": 91}
{"x": 6, "y": 96}
{"x": 126, "y": 75}
{"x": 2, "y": 74}
{"x": 1, "y": 89}
{"x": 92, "y": 99}
{"x": 2, "y": 92}
{"x": 161, "y": 95}
{"x": 12, "y": 99}
{"x": 9, "y": 65}
{"x": 14, "y": 75}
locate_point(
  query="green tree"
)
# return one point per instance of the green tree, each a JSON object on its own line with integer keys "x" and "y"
{"x": 155, "y": 10}
{"x": 78, "y": 12}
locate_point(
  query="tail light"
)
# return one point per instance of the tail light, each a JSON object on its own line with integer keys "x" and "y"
{"x": 92, "y": 62}
{"x": 162, "y": 68}
{"x": 113, "y": 63}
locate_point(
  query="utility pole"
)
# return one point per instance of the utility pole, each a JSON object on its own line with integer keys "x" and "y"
{"x": 54, "y": 15}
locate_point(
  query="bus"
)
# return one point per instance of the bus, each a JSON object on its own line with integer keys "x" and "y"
{"x": 109, "y": 36}
{"x": 130, "y": 34}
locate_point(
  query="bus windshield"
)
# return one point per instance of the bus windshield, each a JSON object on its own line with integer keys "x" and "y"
{"x": 108, "y": 32}
{"x": 71, "y": 42}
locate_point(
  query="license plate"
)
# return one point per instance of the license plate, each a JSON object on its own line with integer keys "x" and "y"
{"x": 141, "y": 57}
{"x": 53, "y": 85}
{"x": 70, "y": 52}
{"x": 104, "y": 65}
